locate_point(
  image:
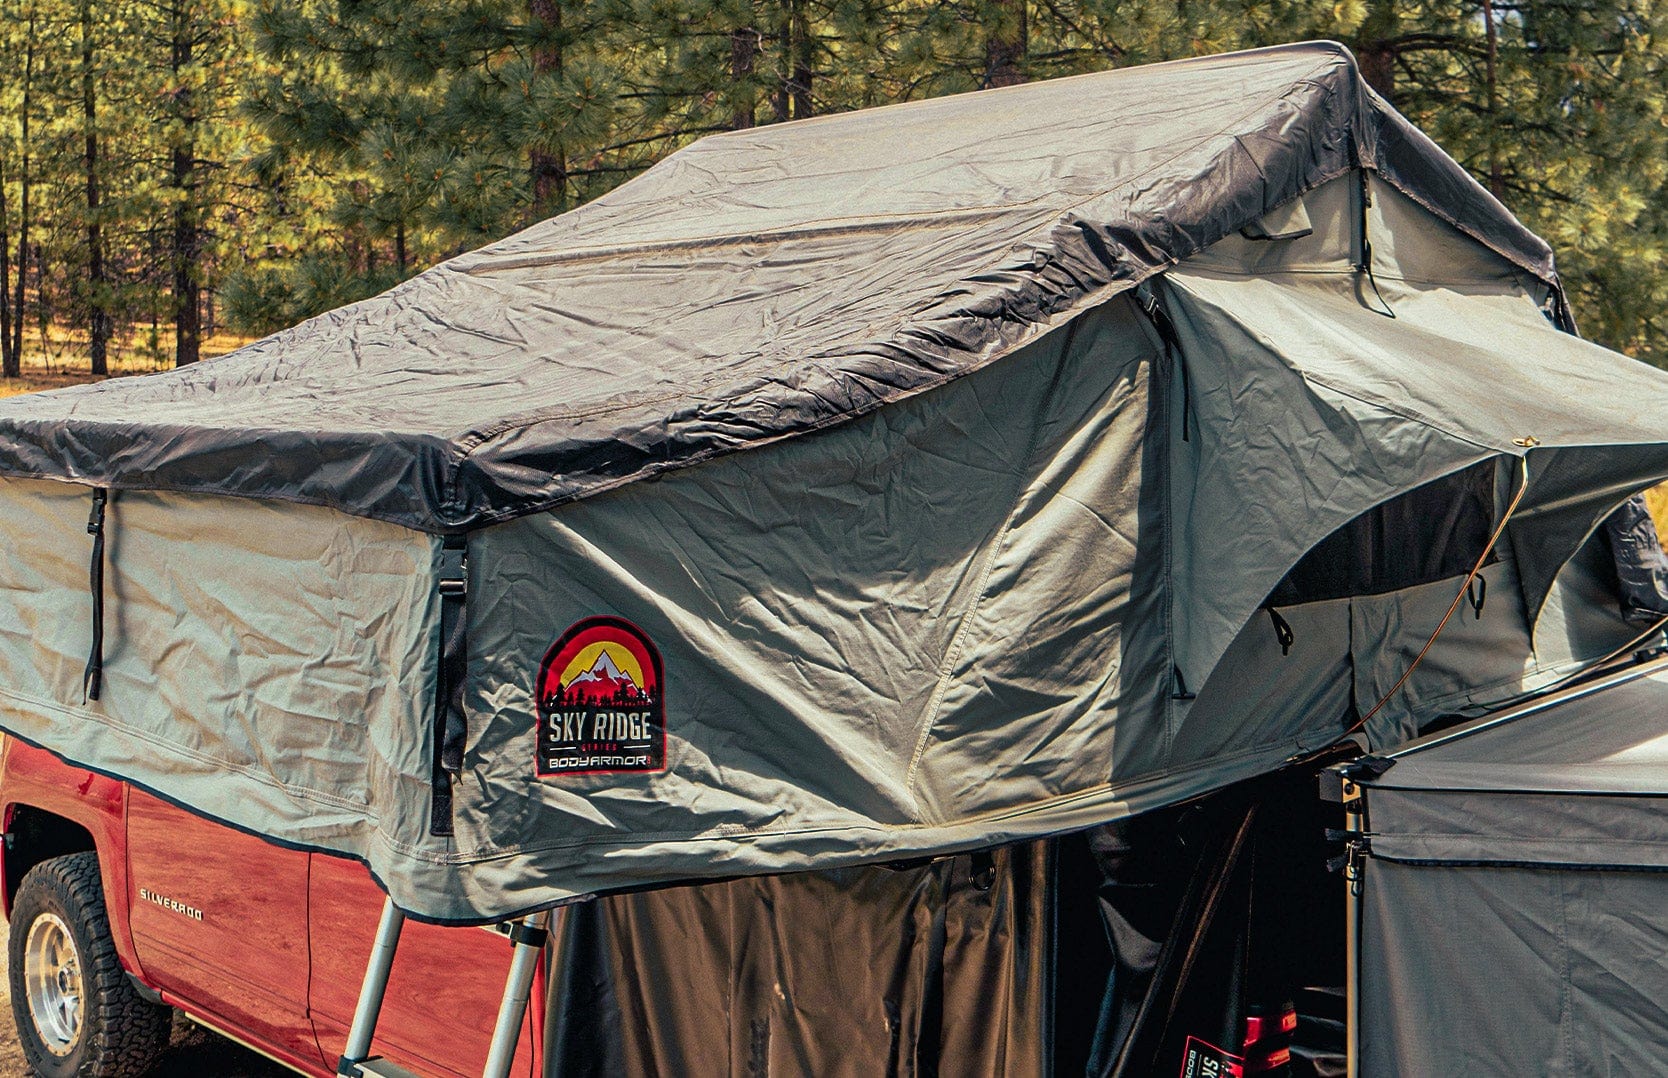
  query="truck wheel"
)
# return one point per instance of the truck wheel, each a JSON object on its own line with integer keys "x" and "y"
{"x": 77, "y": 1014}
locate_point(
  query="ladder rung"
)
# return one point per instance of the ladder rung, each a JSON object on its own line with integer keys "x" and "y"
{"x": 382, "y": 1068}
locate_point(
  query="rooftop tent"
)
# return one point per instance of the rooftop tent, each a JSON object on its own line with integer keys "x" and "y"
{"x": 876, "y": 486}
{"x": 1511, "y": 915}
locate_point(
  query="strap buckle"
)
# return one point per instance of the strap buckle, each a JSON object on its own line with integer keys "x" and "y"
{"x": 453, "y": 579}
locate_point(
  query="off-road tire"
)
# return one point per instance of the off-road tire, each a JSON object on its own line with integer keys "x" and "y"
{"x": 121, "y": 1034}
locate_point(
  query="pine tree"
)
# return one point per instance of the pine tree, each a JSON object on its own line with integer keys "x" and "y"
{"x": 18, "y": 53}
{"x": 387, "y": 134}
{"x": 459, "y": 120}
{"x": 9, "y": 360}
{"x": 98, "y": 281}
{"x": 190, "y": 39}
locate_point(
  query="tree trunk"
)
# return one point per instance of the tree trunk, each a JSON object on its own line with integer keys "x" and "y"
{"x": 186, "y": 255}
{"x": 1378, "y": 67}
{"x": 744, "y": 47}
{"x": 1373, "y": 49}
{"x": 548, "y": 165}
{"x": 9, "y": 366}
{"x": 781, "y": 97}
{"x": 1007, "y": 40}
{"x": 802, "y": 55}
{"x": 1496, "y": 182}
{"x": 97, "y": 301}
{"x": 26, "y": 101}
{"x": 361, "y": 253}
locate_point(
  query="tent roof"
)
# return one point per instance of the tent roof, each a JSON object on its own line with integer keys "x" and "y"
{"x": 1577, "y": 780}
{"x": 752, "y": 287}
{"x": 1611, "y": 738}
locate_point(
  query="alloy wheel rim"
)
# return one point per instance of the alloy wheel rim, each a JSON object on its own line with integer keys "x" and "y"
{"x": 52, "y": 978}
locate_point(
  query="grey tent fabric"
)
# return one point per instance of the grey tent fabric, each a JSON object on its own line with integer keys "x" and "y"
{"x": 1507, "y": 971}
{"x": 264, "y": 662}
{"x": 751, "y": 287}
{"x": 1009, "y": 582}
{"x": 1374, "y": 406}
{"x": 1512, "y": 908}
{"x": 1526, "y": 788}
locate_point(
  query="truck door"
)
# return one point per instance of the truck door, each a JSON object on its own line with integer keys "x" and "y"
{"x": 220, "y": 919}
{"x": 443, "y": 992}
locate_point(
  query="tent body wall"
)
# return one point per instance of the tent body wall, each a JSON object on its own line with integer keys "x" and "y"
{"x": 1025, "y": 602}
{"x": 874, "y": 641}
{"x": 1513, "y": 892}
{"x": 1363, "y": 388}
{"x": 237, "y": 634}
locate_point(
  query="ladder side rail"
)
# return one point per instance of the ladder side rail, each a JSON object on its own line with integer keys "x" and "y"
{"x": 371, "y": 992}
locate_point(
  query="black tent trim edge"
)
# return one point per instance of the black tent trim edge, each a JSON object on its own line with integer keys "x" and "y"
{"x": 1560, "y": 866}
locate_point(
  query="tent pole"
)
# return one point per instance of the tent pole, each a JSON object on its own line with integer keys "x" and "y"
{"x": 529, "y": 936}
{"x": 365, "y": 1014}
{"x": 1352, "y": 931}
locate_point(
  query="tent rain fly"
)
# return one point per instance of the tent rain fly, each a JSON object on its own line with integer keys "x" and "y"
{"x": 987, "y": 432}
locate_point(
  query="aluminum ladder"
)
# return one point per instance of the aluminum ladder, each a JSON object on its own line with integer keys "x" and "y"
{"x": 527, "y": 936}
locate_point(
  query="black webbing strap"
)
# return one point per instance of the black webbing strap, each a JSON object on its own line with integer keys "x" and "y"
{"x": 523, "y": 934}
{"x": 1181, "y": 692}
{"x": 1363, "y": 247}
{"x": 92, "y": 680}
{"x": 1477, "y": 593}
{"x": 450, "y": 725}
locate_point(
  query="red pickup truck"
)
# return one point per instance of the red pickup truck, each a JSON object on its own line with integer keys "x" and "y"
{"x": 123, "y": 906}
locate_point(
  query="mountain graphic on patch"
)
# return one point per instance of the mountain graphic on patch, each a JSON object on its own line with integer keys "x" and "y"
{"x": 604, "y": 682}
{"x": 601, "y": 701}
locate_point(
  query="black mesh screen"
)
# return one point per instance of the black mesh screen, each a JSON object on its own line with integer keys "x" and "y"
{"x": 1432, "y": 533}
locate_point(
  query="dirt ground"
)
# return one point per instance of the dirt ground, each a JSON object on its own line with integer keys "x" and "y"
{"x": 193, "y": 1052}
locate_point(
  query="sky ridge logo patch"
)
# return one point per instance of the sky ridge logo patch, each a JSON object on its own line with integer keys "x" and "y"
{"x": 601, "y": 701}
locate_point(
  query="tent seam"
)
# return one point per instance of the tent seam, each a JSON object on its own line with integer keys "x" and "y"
{"x": 1282, "y": 746}
{"x": 303, "y": 792}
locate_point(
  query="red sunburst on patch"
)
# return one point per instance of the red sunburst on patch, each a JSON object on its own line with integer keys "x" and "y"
{"x": 601, "y": 704}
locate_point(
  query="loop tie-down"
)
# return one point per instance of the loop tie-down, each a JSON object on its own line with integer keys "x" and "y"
{"x": 92, "y": 679}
